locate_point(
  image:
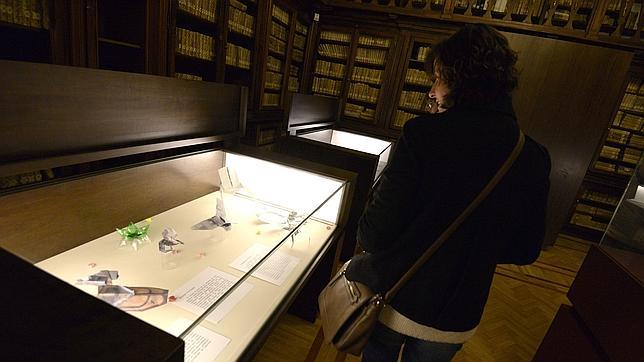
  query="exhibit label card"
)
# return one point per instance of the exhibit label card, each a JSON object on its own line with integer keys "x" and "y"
{"x": 205, "y": 289}
{"x": 201, "y": 343}
{"x": 274, "y": 270}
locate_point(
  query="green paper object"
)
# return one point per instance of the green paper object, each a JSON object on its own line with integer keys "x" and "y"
{"x": 133, "y": 231}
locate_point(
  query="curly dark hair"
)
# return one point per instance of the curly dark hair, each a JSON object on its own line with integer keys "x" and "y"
{"x": 476, "y": 63}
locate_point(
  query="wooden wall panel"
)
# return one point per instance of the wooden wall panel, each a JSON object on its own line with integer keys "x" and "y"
{"x": 50, "y": 110}
{"x": 42, "y": 222}
{"x": 567, "y": 96}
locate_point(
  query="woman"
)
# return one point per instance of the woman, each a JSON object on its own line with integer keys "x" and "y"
{"x": 441, "y": 162}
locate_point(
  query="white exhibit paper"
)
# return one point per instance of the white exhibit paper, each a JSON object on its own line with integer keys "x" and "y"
{"x": 205, "y": 289}
{"x": 201, "y": 344}
{"x": 274, "y": 270}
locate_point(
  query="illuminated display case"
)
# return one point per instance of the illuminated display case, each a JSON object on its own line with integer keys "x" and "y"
{"x": 626, "y": 227}
{"x": 224, "y": 237}
{"x": 312, "y": 136}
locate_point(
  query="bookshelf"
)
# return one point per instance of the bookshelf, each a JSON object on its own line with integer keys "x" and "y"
{"x": 296, "y": 69}
{"x": 25, "y": 27}
{"x": 331, "y": 61}
{"x": 366, "y": 87}
{"x": 608, "y": 175}
{"x": 121, "y": 35}
{"x": 195, "y": 32}
{"x": 278, "y": 62}
{"x": 240, "y": 41}
{"x": 620, "y": 21}
{"x": 415, "y": 85}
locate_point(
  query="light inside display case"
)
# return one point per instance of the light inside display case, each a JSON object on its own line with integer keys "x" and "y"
{"x": 213, "y": 270}
{"x": 626, "y": 228}
{"x": 353, "y": 141}
{"x": 313, "y": 117}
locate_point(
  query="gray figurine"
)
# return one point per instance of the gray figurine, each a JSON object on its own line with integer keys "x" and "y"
{"x": 169, "y": 240}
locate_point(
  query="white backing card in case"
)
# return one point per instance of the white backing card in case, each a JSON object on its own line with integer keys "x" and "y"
{"x": 201, "y": 344}
{"x": 229, "y": 180}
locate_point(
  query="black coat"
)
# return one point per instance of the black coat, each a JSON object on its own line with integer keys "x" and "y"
{"x": 441, "y": 162}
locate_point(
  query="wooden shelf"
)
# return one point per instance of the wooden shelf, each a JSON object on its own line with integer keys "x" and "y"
{"x": 373, "y": 47}
{"x": 413, "y": 110}
{"x": 418, "y": 85}
{"x": 328, "y": 76}
{"x": 24, "y": 27}
{"x": 280, "y": 22}
{"x": 618, "y": 162}
{"x": 369, "y": 65}
{"x": 121, "y": 43}
{"x": 622, "y": 145}
{"x": 239, "y": 36}
{"x": 237, "y": 67}
{"x": 594, "y": 217}
{"x": 361, "y": 102}
{"x": 327, "y": 94}
{"x": 599, "y": 204}
{"x": 332, "y": 59}
{"x": 629, "y": 111}
{"x": 272, "y": 90}
{"x": 370, "y": 84}
{"x": 276, "y": 54}
{"x": 193, "y": 17}
{"x": 339, "y": 42}
{"x": 194, "y": 58}
{"x": 627, "y": 129}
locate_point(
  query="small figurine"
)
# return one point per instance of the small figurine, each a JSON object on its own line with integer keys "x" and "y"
{"x": 104, "y": 277}
{"x": 219, "y": 220}
{"x": 134, "y": 234}
{"x": 169, "y": 240}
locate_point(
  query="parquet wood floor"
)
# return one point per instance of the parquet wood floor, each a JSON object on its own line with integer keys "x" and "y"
{"x": 522, "y": 303}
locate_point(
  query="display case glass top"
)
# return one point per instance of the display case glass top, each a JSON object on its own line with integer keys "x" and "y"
{"x": 219, "y": 266}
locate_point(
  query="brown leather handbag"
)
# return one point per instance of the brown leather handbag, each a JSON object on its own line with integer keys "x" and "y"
{"x": 349, "y": 310}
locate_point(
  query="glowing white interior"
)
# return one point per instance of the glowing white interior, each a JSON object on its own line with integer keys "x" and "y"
{"x": 276, "y": 184}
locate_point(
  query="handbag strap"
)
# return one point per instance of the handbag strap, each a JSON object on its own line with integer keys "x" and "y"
{"x": 459, "y": 220}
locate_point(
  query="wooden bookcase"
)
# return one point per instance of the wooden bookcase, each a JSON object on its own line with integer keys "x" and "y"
{"x": 355, "y": 65}
{"x": 29, "y": 33}
{"x": 195, "y": 32}
{"x": 615, "y": 162}
{"x": 240, "y": 41}
{"x": 279, "y": 39}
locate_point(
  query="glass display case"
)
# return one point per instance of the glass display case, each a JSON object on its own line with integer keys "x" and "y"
{"x": 190, "y": 234}
{"x": 237, "y": 255}
{"x": 313, "y": 136}
{"x": 626, "y": 227}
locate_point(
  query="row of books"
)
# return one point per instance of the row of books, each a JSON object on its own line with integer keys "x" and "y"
{"x": 271, "y": 99}
{"x": 423, "y": 52}
{"x": 363, "y": 92}
{"x": 627, "y": 120}
{"x": 30, "y": 13}
{"x": 371, "y": 56}
{"x": 633, "y": 18}
{"x": 632, "y": 155}
{"x": 241, "y": 22}
{"x": 613, "y": 168}
{"x": 600, "y": 197}
{"x": 613, "y": 5}
{"x": 367, "y": 75}
{"x": 414, "y": 100}
{"x": 293, "y": 84}
{"x": 610, "y": 152}
{"x": 560, "y": 17}
{"x": 273, "y": 64}
{"x": 273, "y": 81}
{"x": 187, "y": 76}
{"x": 358, "y": 111}
{"x": 299, "y": 41}
{"x": 281, "y": 14}
{"x": 335, "y": 36}
{"x": 633, "y": 102}
{"x": 238, "y": 5}
{"x": 635, "y": 85}
{"x": 204, "y": 9}
{"x": 298, "y": 55}
{"x": 334, "y": 51}
{"x": 276, "y": 45}
{"x": 500, "y": 6}
{"x": 373, "y": 41}
{"x": 195, "y": 44}
{"x": 588, "y": 222}
{"x": 279, "y": 31}
{"x": 238, "y": 56}
{"x": 420, "y": 77}
{"x": 301, "y": 28}
{"x": 594, "y": 211}
{"x": 266, "y": 136}
{"x": 618, "y": 136}
{"x": 636, "y": 141}
{"x": 402, "y": 117}
{"x": 327, "y": 86}
{"x": 329, "y": 68}
{"x": 294, "y": 70}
